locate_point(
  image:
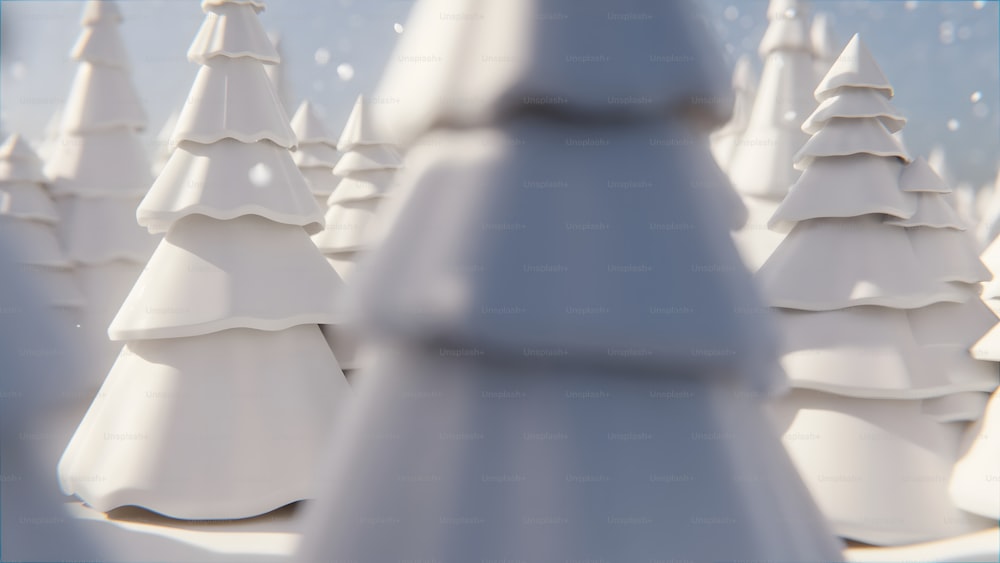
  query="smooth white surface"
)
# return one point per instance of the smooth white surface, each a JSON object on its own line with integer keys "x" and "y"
{"x": 755, "y": 241}
{"x": 364, "y": 184}
{"x": 932, "y": 210}
{"x": 871, "y": 352}
{"x": 209, "y": 275}
{"x": 855, "y": 102}
{"x": 101, "y": 44}
{"x": 761, "y": 164}
{"x": 825, "y": 44}
{"x": 465, "y": 461}
{"x": 445, "y": 56}
{"x": 35, "y": 242}
{"x": 229, "y": 179}
{"x": 27, "y": 200}
{"x": 919, "y": 176}
{"x": 233, "y": 98}
{"x": 347, "y": 226}
{"x": 107, "y": 164}
{"x": 625, "y": 251}
{"x": 724, "y": 140}
{"x": 102, "y": 98}
{"x": 16, "y": 149}
{"x": 222, "y": 426}
{"x": 102, "y": 230}
{"x": 878, "y": 469}
{"x": 258, "y": 5}
{"x": 948, "y": 255}
{"x": 97, "y": 11}
{"x": 845, "y": 136}
{"x": 991, "y": 259}
{"x": 314, "y": 154}
{"x": 828, "y": 264}
{"x": 854, "y": 68}
{"x": 308, "y": 126}
{"x": 957, "y": 407}
{"x": 360, "y": 128}
{"x": 368, "y": 158}
{"x": 321, "y": 182}
{"x": 785, "y": 34}
{"x": 975, "y": 482}
{"x": 232, "y": 30}
{"x": 57, "y": 286}
{"x": 845, "y": 186}
{"x": 105, "y": 286}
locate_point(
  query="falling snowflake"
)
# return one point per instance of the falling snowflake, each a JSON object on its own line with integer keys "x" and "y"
{"x": 953, "y": 124}
{"x": 345, "y": 71}
{"x": 976, "y": 96}
{"x": 397, "y": 27}
{"x": 731, "y": 13}
{"x": 978, "y": 4}
{"x": 260, "y": 175}
{"x": 322, "y": 56}
{"x": 790, "y": 115}
{"x": 946, "y": 33}
{"x": 910, "y": 5}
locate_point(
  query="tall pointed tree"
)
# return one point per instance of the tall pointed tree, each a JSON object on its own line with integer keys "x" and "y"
{"x": 367, "y": 171}
{"x": 222, "y": 397}
{"x": 28, "y": 218}
{"x": 975, "y": 481}
{"x": 825, "y": 44}
{"x": 539, "y": 312}
{"x": 761, "y": 165}
{"x": 316, "y": 154}
{"x": 725, "y": 139}
{"x": 99, "y": 172}
{"x": 873, "y": 285}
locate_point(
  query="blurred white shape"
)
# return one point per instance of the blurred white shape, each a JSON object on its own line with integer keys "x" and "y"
{"x": 260, "y": 175}
{"x": 731, "y": 13}
{"x": 980, "y": 110}
{"x": 397, "y": 27}
{"x": 910, "y": 5}
{"x": 954, "y": 125}
{"x": 322, "y": 56}
{"x": 345, "y": 71}
{"x": 946, "y": 32}
{"x": 976, "y": 96}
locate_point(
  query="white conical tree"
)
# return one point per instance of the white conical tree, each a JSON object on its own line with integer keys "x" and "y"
{"x": 873, "y": 287}
{"x": 538, "y": 319}
{"x": 825, "y": 44}
{"x": 975, "y": 481}
{"x": 947, "y": 331}
{"x": 723, "y": 141}
{"x": 316, "y": 154}
{"x": 99, "y": 172}
{"x": 27, "y": 219}
{"x": 760, "y": 167}
{"x": 989, "y": 225}
{"x": 222, "y": 397}
{"x": 367, "y": 171}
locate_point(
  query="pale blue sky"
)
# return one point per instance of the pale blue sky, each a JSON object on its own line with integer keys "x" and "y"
{"x": 938, "y": 54}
